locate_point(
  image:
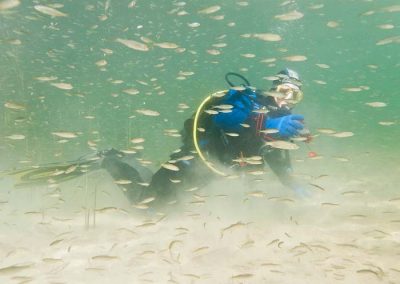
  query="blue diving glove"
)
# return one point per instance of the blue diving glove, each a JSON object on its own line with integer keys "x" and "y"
{"x": 288, "y": 125}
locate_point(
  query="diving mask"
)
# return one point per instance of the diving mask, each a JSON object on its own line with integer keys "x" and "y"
{"x": 288, "y": 94}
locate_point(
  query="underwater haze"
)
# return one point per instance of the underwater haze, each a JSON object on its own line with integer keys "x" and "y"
{"x": 77, "y": 77}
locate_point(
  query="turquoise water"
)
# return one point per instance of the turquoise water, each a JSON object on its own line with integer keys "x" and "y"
{"x": 348, "y": 55}
{"x": 37, "y": 45}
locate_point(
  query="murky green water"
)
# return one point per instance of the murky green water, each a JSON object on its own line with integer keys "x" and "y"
{"x": 349, "y": 57}
{"x": 37, "y": 45}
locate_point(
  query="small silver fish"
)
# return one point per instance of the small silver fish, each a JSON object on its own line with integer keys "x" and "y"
{"x": 148, "y": 112}
{"x": 170, "y": 167}
{"x": 14, "y": 106}
{"x": 280, "y": 144}
{"x": 166, "y": 45}
{"x": 295, "y": 58}
{"x": 210, "y": 10}
{"x": 62, "y": 86}
{"x": 291, "y": 16}
{"x": 133, "y": 44}
{"x": 49, "y": 11}
{"x": 63, "y": 134}
{"x": 267, "y": 37}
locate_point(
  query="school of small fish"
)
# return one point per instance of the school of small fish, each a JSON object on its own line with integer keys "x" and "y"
{"x": 82, "y": 77}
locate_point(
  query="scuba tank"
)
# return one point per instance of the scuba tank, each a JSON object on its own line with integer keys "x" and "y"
{"x": 206, "y": 137}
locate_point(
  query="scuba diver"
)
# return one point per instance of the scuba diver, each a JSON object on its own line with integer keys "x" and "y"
{"x": 239, "y": 130}
{"x": 232, "y": 128}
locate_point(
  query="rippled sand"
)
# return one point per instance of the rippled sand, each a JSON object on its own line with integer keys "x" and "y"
{"x": 220, "y": 234}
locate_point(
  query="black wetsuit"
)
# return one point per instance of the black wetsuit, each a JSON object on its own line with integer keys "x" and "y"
{"x": 217, "y": 144}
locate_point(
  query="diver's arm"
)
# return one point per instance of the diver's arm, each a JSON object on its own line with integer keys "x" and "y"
{"x": 242, "y": 107}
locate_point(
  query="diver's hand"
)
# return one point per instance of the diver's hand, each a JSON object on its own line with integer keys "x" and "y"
{"x": 288, "y": 125}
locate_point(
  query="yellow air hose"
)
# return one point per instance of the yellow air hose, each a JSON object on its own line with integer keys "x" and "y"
{"x": 195, "y": 125}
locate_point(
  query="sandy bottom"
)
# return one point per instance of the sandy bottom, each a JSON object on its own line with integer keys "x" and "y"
{"x": 230, "y": 232}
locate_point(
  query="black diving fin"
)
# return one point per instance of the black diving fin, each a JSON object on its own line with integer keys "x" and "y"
{"x": 54, "y": 172}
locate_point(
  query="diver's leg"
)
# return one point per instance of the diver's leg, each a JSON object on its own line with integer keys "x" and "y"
{"x": 162, "y": 185}
{"x": 122, "y": 171}
{"x": 279, "y": 162}
{"x": 166, "y": 184}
